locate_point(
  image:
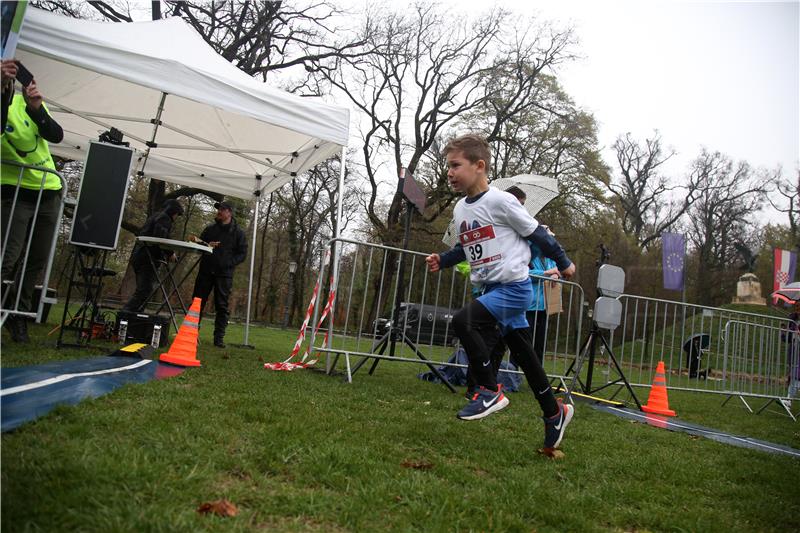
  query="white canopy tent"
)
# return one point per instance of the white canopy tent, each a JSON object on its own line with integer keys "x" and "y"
{"x": 192, "y": 117}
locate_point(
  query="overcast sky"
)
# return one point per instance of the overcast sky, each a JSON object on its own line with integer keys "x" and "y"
{"x": 725, "y": 75}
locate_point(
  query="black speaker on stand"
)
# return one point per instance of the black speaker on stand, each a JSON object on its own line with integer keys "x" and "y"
{"x": 95, "y": 231}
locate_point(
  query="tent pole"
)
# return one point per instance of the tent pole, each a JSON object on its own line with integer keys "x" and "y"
{"x": 246, "y": 343}
{"x": 156, "y": 123}
{"x": 337, "y": 250}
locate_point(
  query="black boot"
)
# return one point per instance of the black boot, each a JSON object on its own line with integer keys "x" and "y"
{"x": 23, "y": 330}
{"x": 218, "y": 342}
{"x": 18, "y": 328}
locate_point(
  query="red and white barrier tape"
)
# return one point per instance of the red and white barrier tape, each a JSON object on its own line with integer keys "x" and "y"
{"x": 328, "y": 307}
{"x": 287, "y": 365}
{"x": 302, "y": 334}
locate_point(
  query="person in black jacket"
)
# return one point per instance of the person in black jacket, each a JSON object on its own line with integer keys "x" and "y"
{"x": 216, "y": 270}
{"x": 158, "y": 225}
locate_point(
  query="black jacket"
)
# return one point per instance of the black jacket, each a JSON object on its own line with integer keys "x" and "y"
{"x": 158, "y": 225}
{"x": 49, "y": 129}
{"x": 231, "y": 251}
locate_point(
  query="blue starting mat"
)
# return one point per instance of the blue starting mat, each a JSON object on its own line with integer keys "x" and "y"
{"x": 29, "y": 392}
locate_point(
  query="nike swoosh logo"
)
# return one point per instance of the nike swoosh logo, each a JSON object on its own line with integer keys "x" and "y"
{"x": 486, "y": 363}
{"x": 489, "y": 404}
{"x": 545, "y": 390}
{"x": 561, "y": 421}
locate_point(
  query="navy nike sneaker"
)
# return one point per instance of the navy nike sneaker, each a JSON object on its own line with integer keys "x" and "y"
{"x": 554, "y": 426}
{"x": 483, "y": 403}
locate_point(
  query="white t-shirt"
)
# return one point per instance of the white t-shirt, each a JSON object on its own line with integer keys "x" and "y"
{"x": 491, "y": 232}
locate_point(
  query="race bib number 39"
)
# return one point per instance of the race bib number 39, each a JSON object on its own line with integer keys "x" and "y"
{"x": 480, "y": 246}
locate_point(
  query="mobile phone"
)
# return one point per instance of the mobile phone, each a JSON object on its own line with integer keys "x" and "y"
{"x": 24, "y": 75}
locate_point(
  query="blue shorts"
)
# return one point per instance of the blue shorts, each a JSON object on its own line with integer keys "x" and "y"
{"x": 507, "y": 302}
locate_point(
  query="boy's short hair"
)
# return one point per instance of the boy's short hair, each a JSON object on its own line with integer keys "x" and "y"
{"x": 518, "y": 193}
{"x": 473, "y": 146}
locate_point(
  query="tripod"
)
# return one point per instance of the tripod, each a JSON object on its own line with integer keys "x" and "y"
{"x": 589, "y": 348}
{"x": 86, "y": 273}
{"x": 397, "y": 332}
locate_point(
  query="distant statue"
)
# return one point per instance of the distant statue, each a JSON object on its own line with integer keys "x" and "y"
{"x": 747, "y": 256}
{"x": 748, "y": 290}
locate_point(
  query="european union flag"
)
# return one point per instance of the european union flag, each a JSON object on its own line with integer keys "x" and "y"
{"x": 673, "y": 260}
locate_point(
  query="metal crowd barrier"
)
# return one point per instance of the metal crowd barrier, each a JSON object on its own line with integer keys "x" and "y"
{"x": 12, "y": 307}
{"x": 364, "y": 310}
{"x": 708, "y": 349}
{"x": 705, "y": 349}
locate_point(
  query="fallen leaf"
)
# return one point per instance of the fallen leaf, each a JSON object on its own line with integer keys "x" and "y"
{"x": 261, "y": 359}
{"x": 226, "y": 356}
{"x": 552, "y": 453}
{"x": 417, "y": 465}
{"x": 219, "y": 508}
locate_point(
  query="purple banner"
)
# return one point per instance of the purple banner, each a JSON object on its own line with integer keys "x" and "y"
{"x": 672, "y": 261}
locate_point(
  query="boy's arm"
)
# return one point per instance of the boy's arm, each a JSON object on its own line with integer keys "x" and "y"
{"x": 452, "y": 257}
{"x": 512, "y": 213}
{"x": 523, "y": 223}
{"x": 447, "y": 259}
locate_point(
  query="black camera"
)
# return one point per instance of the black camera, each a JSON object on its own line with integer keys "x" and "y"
{"x": 113, "y": 136}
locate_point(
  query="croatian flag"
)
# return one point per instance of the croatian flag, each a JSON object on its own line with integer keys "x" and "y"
{"x": 672, "y": 262}
{"x": 783, "y": 272}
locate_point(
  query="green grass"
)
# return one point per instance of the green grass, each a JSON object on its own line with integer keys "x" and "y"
{"x": 303, "y": 451}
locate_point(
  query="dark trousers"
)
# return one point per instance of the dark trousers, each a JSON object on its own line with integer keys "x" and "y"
{"x": 497, "y": 350}
{"x": 221, "y": 286}
{"x": 470, "y": 322}
{"x": 146, "y": 280}
{"x": 16, "y": 227}
{"x": 537, "y": 323}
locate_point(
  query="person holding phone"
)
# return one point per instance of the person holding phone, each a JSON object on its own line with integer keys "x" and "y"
{"x": 27, "y": 128}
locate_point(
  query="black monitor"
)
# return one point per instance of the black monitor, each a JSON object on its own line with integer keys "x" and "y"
{"x": 101, "y": 199}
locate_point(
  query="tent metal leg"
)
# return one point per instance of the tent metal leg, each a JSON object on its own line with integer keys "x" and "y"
{"x": 337, "y": 246}
{"x": 246, "y": 341}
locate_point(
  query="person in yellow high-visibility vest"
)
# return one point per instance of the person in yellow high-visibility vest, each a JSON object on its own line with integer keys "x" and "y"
{"x": 27, "y": 127}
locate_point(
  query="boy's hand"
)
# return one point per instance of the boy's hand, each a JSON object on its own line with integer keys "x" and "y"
{"x": 568, "y": 272}
{"x": 433, "y": 262}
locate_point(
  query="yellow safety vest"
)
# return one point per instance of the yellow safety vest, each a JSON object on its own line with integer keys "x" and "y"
{"x": 21, "y": 143}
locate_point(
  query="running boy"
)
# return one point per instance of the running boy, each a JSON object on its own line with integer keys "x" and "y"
{"x": 494, "y": 235}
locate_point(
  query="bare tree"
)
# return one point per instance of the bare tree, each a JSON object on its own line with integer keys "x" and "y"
{"x": 643, "y": 193}
{"x": 728, "y": 195}
{"x": 550, "y": 136}
{"x": 790, "y": 191}
{"x": 426, "y": 71}
{"x": 266, "y": 37}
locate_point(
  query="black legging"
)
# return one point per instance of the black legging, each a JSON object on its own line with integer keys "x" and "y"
{"x": 470, "y": 323}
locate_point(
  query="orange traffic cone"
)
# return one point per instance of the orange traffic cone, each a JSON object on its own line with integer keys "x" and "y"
{"x": 657, "y": 402}
{"x": 183, "y": 351}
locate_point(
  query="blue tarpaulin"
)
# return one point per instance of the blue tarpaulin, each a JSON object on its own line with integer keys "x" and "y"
{"x": 29, "y": 392}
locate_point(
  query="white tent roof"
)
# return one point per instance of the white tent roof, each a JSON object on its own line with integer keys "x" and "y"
{"x": 219, "y": 128}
